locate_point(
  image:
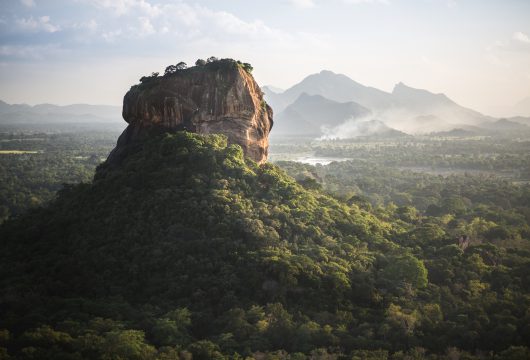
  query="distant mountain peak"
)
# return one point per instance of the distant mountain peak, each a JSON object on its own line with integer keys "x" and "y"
{"x": 327, "y": 72}
{"x": 401, "y": 86}
{"x": 329, "y": 75}
{"x": 404, "y": 100}
{"x": 403, "y": 90}
{"x": 272, "y": 89}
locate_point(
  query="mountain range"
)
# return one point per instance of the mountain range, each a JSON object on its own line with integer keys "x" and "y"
{"x": 308, "y": 114}
{"x": 321, "y": 102}
{"x": 325, "y": 104}
{"x": 49, "y": 114}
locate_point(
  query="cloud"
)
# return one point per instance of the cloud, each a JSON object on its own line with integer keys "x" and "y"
{"x": 111, "y": 36}
{"x": 146, "y": 28}
{"x": 141, "y": 18}
{"x": 158, "y": 28}
{"x": 509, "y": 52}
{"x": 230, "y": 24}
{"x": 522, "y": 37}
{"x": 303, "y": 3}
{"x": 28, "y": 3}
{"x": 37, "y": 25}
{"x": 504, "y": 53}
{"x": 122, "y": 7}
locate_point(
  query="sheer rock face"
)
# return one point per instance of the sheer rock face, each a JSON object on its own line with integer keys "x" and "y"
{"x": 208, "y": 99}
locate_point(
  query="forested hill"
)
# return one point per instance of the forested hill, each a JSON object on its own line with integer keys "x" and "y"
{"x": 186, "y": 248}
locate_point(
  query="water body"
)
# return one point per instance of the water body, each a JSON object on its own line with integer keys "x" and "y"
{"x": 313, "y": 160}
{"x": 305, "y": 158}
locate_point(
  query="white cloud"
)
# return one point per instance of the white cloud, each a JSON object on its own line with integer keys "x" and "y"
{"x": 28, "y": 3}
{"x": 163, "y": 27}
{"x": 122, "y": 7}
{"x": 230, "y": 24}
{"x": 522, "y": 37}
{"x": 141, "y": 18}
{"x": 510, "y": 53}
{"x": 515, "y": 49}
{"x": 183, "y": 14}
{"x": 303, "y": 3}
{"x": 111, "y": 36}
{"x": 146, "y": 28}
{"x": 36, "y": 25}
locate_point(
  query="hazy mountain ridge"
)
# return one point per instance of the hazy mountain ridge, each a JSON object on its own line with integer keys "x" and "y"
{"x": 505, "y": 124}
{"x": 425, "y": 102}
{"x": 49, "y": 113}
{"x": 309, "y": 114}
{"x": 337, "y": 87}
{"x": 523, "y": 107}
{"x": 406, "y": 109}
{"x": 521, "y": 120}
{"x": 316, "y": 106}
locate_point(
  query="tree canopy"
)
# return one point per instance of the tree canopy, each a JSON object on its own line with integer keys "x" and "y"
{"x": 186, "y": 248}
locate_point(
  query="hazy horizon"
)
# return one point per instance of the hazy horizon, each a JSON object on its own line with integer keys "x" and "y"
{"x": 92, "y": 51}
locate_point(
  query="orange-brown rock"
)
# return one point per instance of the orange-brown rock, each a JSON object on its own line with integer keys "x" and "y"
{"x": 219, "y": 97}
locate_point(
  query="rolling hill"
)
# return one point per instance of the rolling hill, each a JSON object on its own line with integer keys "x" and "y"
{"x": 309, "y": 114}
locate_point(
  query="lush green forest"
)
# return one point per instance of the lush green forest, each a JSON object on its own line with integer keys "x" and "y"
{"x": 187, "y": 250}
{"x": 35, "y": 165}
{"x": 500, "y": 156}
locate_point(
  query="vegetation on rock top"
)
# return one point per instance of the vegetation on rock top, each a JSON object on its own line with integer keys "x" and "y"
{"x": 211, "y": 64}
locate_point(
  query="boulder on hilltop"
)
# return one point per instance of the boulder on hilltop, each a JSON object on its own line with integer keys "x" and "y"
{"x": 220, "y": 96}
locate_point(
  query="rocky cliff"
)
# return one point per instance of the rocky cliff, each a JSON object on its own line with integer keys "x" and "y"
{"x": 218, "y": 97}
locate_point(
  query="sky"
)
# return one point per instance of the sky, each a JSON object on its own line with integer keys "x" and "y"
{"x": 91, "y": 51}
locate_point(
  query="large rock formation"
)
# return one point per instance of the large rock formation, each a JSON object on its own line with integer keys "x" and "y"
{"x": 218, "y": 97}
